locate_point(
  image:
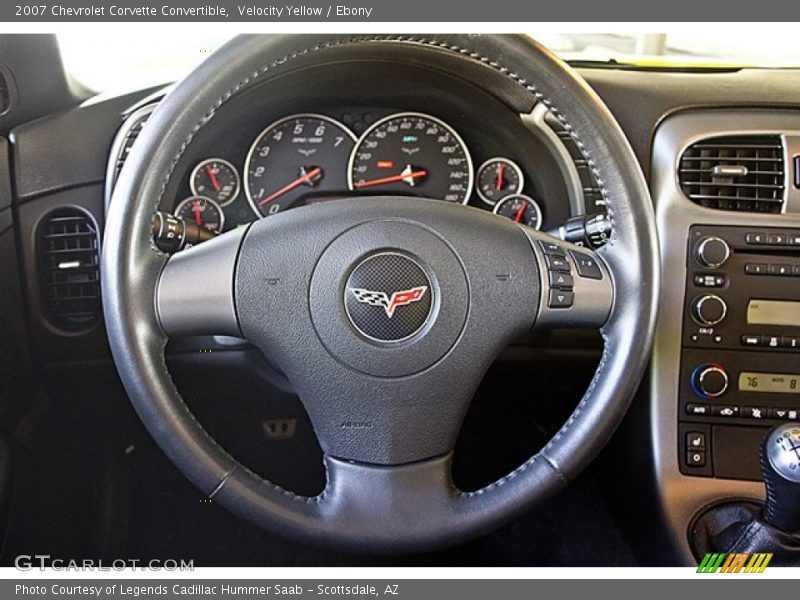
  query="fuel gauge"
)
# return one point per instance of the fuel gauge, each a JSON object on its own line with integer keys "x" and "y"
{"x": 497, "y": 178}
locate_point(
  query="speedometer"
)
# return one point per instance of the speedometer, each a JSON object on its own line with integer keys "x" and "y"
{"x": 413, "y": 154}
{"x": 295, "y": 157}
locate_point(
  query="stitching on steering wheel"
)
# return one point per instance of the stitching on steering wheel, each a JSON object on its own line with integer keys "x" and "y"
{"x": 250, "y": 79}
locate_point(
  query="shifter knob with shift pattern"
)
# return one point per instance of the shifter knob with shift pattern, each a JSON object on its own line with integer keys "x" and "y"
{"x": 780, "y": 464}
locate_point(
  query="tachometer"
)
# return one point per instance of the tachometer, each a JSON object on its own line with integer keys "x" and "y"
{"x": 414, "y": 154}
{"x": 294, "y": 157}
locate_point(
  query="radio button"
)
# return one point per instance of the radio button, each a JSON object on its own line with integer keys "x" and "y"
{"x": 709, "y": 309}
{"x": 777, "y": 239}
{"x": 756, "y": 268}
{"x": 757, "y": 239}
{"x": 780, "y": 269}
{"x": 709, "y": 280}
{"x": 751, "y": 340}
{"x": 790, "y": 342}
{"x": 712, "y": 252}
{"x": 794, "y": 240}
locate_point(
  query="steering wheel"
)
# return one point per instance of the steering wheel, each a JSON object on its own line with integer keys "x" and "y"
{"x": 382, "y": 312}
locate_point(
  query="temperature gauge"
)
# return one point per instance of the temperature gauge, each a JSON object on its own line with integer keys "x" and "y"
{"x": 202, "y": 211}
{"x": 216, "y": 179}
{"x": 520, "y": 209}
{"x": 497, "y": 178}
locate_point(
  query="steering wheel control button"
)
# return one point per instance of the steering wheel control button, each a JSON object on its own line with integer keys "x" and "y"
{"x": 388, "y": 297}
{"x": 552, "y": 248}
{"x": 557, "y": 263}
{"x": 562, "y": 281}
{"x": 712, "y": 252}
{"x": 709, "y": 309}
{"x": 709, "y": 380}
{"x": 586, "y": 265}
{"x": 560, "y": 299}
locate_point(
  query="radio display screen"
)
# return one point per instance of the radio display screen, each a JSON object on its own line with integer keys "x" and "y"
{"x": 770, "y": 383}
{"x": 773, "y": 312}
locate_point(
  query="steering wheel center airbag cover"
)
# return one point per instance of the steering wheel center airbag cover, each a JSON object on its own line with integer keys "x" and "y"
{"x": 389, "y": 298}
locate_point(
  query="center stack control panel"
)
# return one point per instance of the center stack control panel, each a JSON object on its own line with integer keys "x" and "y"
{"x": 740, "y": 356}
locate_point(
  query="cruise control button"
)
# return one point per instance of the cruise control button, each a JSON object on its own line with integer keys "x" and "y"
{"x": 587, "y": 265}
{"x": 560, "y": 280}
{"x": 557, "y": 263}
{"x": 696, "y": 458}
{"x": 560, "y": 299}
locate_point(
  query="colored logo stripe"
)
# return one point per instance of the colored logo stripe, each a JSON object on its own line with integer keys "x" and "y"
{"x": 734, "y": 563}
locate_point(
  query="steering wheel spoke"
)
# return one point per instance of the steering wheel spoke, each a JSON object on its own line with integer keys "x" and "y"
{"x": 576, "y": 286}
{"x": 195, "y": 290}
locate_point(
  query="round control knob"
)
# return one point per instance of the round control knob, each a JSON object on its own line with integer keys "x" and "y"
{"x": 712, "y": 252}
{"x": 709, "y": 309}
{"x": 709, "y": 380}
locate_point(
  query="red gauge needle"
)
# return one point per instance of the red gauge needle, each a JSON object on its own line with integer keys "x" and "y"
{"x": 213, "y": 177}
{"x": 196, "y": 210}
{"x": 520, "y": 212}
{"x": 407, "y": 175}
{"x": 304, "y": 178}
{"x": 499, "y": 185}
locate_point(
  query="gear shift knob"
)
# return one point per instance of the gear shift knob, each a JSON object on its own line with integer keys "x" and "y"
{"x": 780, "y": 464}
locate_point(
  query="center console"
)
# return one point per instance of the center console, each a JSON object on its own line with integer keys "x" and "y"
{"x": 726, "y": 361}
{"x": 740, "y": 356}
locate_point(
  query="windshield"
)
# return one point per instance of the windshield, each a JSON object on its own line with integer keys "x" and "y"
{"x": 131, "y": 62}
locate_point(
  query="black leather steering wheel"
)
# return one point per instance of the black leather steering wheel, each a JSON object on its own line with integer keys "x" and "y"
{"x": 386, "y": 397}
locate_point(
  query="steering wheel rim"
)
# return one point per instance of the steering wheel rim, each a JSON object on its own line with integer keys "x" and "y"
{"x": 404, "y": 499}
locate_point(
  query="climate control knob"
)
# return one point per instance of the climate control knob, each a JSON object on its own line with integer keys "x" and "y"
{"x": 709, "y": 380}
{"x": 709, "y": 309}
{"x": 711, "y": 252}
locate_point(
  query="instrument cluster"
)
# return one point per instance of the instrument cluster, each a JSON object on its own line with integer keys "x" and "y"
{"x": 305, "y": 158}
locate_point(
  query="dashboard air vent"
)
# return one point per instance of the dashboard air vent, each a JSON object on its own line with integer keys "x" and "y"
{"x": 743, "y": 173}
{"x": 69, "y": 276}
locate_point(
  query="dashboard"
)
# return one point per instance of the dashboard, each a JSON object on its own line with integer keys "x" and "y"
{"x": 418, "y": 134}
{"x": 306, "y": 158}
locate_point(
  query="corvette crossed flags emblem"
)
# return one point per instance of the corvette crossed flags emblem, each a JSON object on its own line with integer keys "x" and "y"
{"x": 389, "y": 303}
